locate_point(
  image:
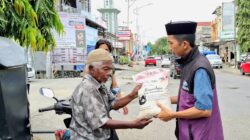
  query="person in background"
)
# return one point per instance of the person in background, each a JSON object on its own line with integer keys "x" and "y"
{"x": 111, "y": 84}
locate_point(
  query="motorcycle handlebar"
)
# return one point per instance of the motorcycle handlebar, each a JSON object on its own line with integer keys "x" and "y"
{"x": 47, "y": 108}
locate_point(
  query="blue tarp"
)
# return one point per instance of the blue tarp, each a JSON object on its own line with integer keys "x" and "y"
{"x": 208, "y": 52}
{"x": 79, "y": 67}
{"x": 90, "y": 48}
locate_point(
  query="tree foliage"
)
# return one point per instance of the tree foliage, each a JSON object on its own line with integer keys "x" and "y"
{"x": 160, "y": 47}
{"x": 30, "y": 22}
{"x": 243, "y": 24}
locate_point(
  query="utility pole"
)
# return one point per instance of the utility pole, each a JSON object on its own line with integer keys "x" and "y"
{"x": 62, "y": 66}
{"x": 60, "y": 5}
{"x": 128, "y": 14}
{"x": 136, "y": 12}
{"x": 235, "y": 43}
{"x": 128, "y": 22}
{"x": 128, "y": 9}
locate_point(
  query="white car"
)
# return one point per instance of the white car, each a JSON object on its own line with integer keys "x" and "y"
{"x": 214, "y": 60}
{"x": 30, "y": 72}
{"x": 158, "y": 58}
{"x": 165, "y": 63}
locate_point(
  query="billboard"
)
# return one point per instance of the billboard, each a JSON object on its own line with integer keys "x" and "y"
{"x": 68, "y": 56}
{"x": 70, "y": 46}
{"x": 123, "y": 35}
{"x": 74, "y": 31}
{"x": 228, "y": 17}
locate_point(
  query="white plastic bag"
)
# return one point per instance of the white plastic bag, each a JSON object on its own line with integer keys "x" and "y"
{"x": 154, "y": 89}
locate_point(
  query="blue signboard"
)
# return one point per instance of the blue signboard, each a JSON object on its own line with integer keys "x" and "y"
{"x": 91, "y": 38}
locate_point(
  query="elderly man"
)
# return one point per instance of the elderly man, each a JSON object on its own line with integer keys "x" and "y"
{"x": 91, "y": 103}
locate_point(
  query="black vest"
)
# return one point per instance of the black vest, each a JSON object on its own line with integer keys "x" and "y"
{"x": 190, "y": 64}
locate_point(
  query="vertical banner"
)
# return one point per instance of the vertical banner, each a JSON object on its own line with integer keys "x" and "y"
{"x": 228, "y": 16}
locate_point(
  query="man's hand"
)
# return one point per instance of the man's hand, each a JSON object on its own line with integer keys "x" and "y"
{"x": 165, "y": 114}
{"x": 122, "y": 102}
{"x": 125, "y": 110}
{"x": 116, "y": 124}
{"x": 174, "y": 99}
{"x": 134, "y": 92}
{"x": 140, "y": 123}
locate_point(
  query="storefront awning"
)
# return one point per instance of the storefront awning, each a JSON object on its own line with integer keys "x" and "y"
{"x": 93, "y": 24}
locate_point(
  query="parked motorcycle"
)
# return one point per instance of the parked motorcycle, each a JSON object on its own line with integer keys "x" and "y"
{"x": 60, "y": 107}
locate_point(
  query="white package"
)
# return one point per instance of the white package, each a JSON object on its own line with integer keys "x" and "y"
{"x": 154, "y": 89}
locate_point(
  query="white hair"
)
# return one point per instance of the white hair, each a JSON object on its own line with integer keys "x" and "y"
{"x": 96, "y": 64}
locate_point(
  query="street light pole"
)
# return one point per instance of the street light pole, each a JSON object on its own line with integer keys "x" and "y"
{"x": 128, "y": 15}
{"x": 136, "y": 12}
{"x": 128, "y": 22}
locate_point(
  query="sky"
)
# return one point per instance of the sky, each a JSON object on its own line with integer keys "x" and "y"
{"x": 152, "y": 18}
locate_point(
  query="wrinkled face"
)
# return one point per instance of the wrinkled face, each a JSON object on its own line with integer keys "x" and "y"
{"x": 105, "y": 47}
{"x": 102, "y": 72}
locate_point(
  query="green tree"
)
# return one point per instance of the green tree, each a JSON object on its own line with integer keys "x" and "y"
{"x": 160, "y": 47}
{"x": 30, "y": 22}
{"x": 243, "y": 24}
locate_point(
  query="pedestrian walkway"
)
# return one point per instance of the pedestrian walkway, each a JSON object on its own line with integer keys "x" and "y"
{"x": 230, "y": 69}
{"x": 135, "y": 67}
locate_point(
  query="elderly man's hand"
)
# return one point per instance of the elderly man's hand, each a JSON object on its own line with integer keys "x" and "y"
{"x": 165, "y": 114}
{"x": 134, "y": 92}
{"x": 140, "y": 123}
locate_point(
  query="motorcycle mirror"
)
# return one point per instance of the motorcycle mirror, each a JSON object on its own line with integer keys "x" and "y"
{"x": 47, "y": 92}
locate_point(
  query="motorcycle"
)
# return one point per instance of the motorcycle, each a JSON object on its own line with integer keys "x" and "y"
{"x": 60, "y": 107}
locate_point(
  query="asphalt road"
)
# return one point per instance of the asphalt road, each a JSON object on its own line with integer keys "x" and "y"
{"x": 233, "y": 94}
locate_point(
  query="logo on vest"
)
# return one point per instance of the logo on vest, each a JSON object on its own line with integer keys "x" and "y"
{"x": 185, "y": 85}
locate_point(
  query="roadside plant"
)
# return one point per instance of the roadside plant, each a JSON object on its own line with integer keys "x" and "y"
{"x": 30, "y": 23}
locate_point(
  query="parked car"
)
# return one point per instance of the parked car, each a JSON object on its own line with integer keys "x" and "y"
{"x": 165, "y": 63}
{"x": 158, "y": 58}
{"x": 214, "y": 60}
{"x": 242, "y": 58}
{"x": 245, "y": 65}
{"x": 175, "y": 68}
{"x": 150, "y": 61}
{"x": 30, "y": 72}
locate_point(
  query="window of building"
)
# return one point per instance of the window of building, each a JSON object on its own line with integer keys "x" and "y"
{"x": 86, "y": 5}
{"x": 106, "y": 16}
{"x": 106, "y": 3}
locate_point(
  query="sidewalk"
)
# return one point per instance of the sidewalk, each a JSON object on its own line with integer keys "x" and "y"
{"x": 230, "y": 69}
{"x": 122, "y": 67}
{"x": 136, "y": 67}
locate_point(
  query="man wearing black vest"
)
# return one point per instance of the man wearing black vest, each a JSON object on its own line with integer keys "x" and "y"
{"x": 198, "y": 114}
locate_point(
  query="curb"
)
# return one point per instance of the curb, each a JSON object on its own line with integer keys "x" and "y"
{"x": 231, "y": 70}
{"x": 119, "y": 67}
